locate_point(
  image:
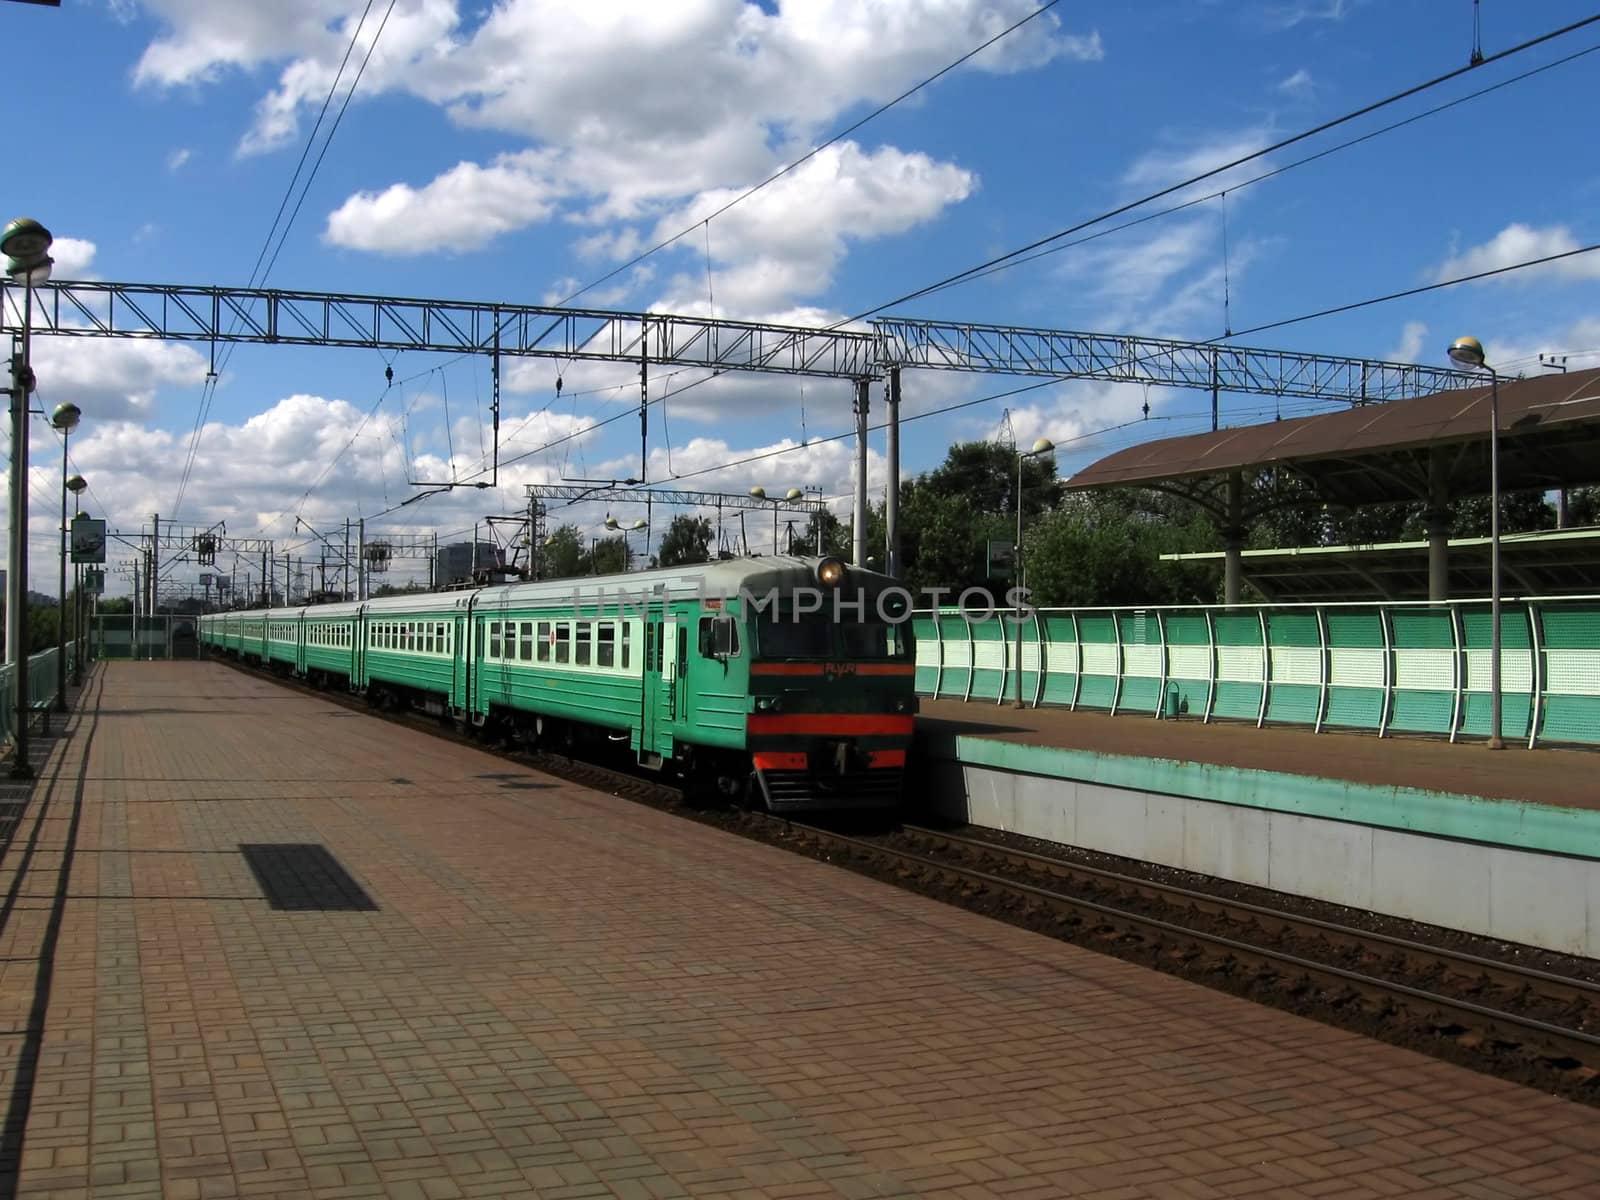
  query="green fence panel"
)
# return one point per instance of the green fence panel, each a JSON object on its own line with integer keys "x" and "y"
{"x": 1142, "y": 662}
{"x": 1294, "y": 648}
{"x": 1516, "y": 672}
{"x": 1098, "y": 686}
{"x": 925, "y": 637}
{"x": 1358, "y": 669}
{"x": 1571, "y": 671}
{"x": 1241, "y": 666}
{"x": 989, "y": 650}
{"x": 1425, "y": 664}
{"x": 955, "y": 677}
{"x": 1061, "y": 657}
{"x": 1190, "y": 661}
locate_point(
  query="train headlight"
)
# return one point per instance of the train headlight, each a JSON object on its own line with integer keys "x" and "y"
{"x": 831, "y": 572}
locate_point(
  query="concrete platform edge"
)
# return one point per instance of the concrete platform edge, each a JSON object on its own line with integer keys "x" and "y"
{"x": 1524, "y": 824}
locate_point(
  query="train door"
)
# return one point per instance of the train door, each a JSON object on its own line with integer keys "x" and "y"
{"x": 660, "y": 684}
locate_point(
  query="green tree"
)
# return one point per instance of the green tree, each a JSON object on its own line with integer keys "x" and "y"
{"x": 1105, "y": 549}
{"x": 834, "y": 536}
{"x": 687, "y": 540}
{"x": 565, "y": 554}
{"x": 610, "y": 556}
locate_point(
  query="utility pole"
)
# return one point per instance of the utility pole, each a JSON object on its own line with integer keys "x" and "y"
{"x": 361, "y": 559}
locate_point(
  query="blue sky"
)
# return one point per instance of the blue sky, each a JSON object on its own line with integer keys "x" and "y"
{"x": 520, "y": 149}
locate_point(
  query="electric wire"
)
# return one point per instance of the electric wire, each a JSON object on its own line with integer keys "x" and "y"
{"x": 1200, "y": 177}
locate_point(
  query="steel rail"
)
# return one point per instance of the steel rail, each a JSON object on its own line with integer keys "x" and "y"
{"x": 1154, "y": 889}
{"x": 1559, "y": 1041}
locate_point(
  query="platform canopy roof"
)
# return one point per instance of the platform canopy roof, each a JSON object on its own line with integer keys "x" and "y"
{"x": 1372, "y": 454}
{"x": 1554, "y": 562}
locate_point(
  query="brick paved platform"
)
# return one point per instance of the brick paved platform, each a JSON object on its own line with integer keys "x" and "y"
{"x": 434, "y": 974}
{"x": 1546, "y": 775}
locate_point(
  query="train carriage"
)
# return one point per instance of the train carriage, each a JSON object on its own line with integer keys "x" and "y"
{"x": 787, "y": 680}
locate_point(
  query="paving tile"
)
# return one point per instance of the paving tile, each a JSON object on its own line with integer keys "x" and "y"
{"x": 555, "y": 993}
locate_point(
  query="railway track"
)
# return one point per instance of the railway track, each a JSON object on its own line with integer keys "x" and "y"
{"x": 1543, "y": 1026}
{"x": 1473, "y": 1000}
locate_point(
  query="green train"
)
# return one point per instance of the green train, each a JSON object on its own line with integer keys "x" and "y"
{"x": 788, "y": 682}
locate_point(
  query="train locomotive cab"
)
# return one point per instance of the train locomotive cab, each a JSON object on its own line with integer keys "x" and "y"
{"x": 832, "y": 699}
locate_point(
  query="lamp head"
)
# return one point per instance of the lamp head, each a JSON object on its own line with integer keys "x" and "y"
{"x": 26, "y": 245}
{"x": 759, "y": 492}
{"x": 611, "y": 522}
{"x": 639, "y": 524}
{"x": 1468, "y": 351}
{"x": 1042, "y": 446}
{"x": 76, "y": 484}
{"x": 66, "y": 416}
{"x": 794, "y": 494}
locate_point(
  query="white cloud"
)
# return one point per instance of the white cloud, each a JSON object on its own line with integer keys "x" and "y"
{"x": 1518, "y": 243}
{"x": 177, "y": 158}
{"x": 1283, "y": 17}
{"x": 73, "y": 256}
{"x": 112, "y": 379}
{"x": 1298, "y": 86}
{"x": 474, "y": 204}
{"x": 1184, "y": 158}
{"x": 1411, "y": 341}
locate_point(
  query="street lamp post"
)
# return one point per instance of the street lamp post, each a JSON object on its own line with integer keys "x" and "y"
{"x": 760, "y": 493}
{"x": 627, "y": 551}
{"x": 75, "y": 485}
{"x": 1042, "y": 446}
{"x": 26, "y": 245}
{"x": 1468, "y": 351}
{"x": 65, "y": 418}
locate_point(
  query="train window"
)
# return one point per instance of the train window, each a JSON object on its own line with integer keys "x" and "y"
{"x": 563, "y": 641}
{"x": 873, "y": 639}
{"x": 494, "y": 639}
{"x": 544, "y": 641}
{"x": 605, "y": 644}
{"x": 580, "y": 656}
{"x": 719, "y": 637}
{"x": 625, "y": 660}
{"x": 525, "y": 641}
{"x": 780, "y": 635}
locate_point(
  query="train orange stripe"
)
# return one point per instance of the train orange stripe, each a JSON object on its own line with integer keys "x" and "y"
{"x": 886, "y": 758}
{"x": 838, "y": 724}
{"x": 779, "y": 761}
{"x": 786, "y": 668}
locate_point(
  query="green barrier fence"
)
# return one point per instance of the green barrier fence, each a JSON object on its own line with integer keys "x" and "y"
{"x": 1409, "y": 668}
{"x": 41, "y": 688}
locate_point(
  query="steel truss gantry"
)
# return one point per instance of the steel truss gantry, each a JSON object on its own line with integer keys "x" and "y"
{"x": 1122, "y": 358}
{"x": 272, "y": 316}
{"x": 572, "y": 493}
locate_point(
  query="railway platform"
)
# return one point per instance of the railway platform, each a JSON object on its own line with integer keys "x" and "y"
{"x": 1500, "y": 843}
{"x": 258, "y": 944}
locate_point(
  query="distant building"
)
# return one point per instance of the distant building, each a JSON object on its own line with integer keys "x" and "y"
{"x": 459, "y": 564}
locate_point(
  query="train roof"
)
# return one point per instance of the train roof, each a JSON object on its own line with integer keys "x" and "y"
{"x": 725, "y": 579}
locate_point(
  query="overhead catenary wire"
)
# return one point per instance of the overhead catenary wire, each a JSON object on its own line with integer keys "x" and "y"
{"x": 1202, "y": 176}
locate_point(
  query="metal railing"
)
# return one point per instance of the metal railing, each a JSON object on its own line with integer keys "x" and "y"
{"x": 41, "y": 688}
{"x": 1412, "y": 668}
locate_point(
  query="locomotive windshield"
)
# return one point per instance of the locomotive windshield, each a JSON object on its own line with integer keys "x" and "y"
{"x": 781, "y": 634}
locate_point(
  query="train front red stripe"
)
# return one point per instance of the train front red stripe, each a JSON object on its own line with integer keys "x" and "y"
{"x": 840, "y": 668}
{"x": 834, "y": 724}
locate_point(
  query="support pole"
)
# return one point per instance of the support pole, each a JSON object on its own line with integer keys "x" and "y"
{"x": 361, "y": 558}
{"x": 859, "y": 538}
{"x": 154, "y": 573}
{"x": 891, "y": 496}
{"x": 1233, "y": 533}
{"x": 1438, "y": 528}
{"x": 61, "y": 612}
{"x": 17, "y": 582}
